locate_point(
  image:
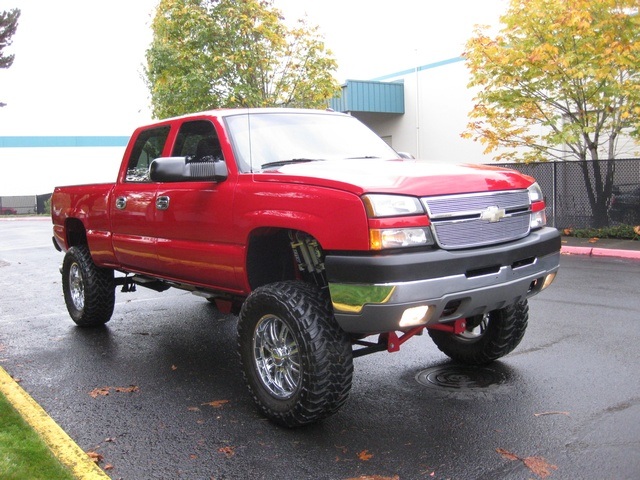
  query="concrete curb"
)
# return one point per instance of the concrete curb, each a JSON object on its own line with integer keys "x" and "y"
{"x": 601, "y": 252}
{"x": 11, "y": 218}
{"x": 60, "y": 444}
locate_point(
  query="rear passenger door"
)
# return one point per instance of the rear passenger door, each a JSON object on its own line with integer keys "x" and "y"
{"x": 133, "y": 207}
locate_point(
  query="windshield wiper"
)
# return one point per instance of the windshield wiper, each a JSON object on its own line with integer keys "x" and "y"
{"x": 365, "y": 156}
{"x": 280, "y": 163}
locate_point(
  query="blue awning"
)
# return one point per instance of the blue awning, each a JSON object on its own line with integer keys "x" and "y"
{"x": 370, "y": 96}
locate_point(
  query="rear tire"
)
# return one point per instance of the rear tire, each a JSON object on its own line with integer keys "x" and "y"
{"x": 89, "y": 291}
{"x": 296, "y": 361}
{"x": 487, "y": 337}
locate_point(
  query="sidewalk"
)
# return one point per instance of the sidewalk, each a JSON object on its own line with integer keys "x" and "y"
{"x": 602, "y": 247}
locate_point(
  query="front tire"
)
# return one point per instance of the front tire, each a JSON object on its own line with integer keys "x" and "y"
{"x": 296, "y": 361}
{"x": 89, "y": 291}
{"x": 487, "y": 337}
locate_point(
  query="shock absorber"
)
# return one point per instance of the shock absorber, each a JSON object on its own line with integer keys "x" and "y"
{"x": 308, "y": 256}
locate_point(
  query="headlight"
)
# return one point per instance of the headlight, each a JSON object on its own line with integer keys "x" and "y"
{"x": 538, "y": 216}
{"x": 391, "y": 205}
{"x": 535, "y": 193}
{"x": 381, "y": 239}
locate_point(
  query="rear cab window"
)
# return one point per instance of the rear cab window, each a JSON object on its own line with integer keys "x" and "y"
{"x": 148, "y": 146}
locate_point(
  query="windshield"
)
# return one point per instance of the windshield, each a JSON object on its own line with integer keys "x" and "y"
{"x": 267, "y": 140}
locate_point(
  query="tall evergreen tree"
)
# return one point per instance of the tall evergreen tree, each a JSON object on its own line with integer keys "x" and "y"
{"x": 8, "y": 26}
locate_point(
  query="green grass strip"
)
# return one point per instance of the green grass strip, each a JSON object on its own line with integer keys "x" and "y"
{"x": 23, "y": 454}
{"x": 61, "y": 447}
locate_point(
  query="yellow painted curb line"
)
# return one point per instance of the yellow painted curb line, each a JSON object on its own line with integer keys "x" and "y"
{"x": 61, "y": 444}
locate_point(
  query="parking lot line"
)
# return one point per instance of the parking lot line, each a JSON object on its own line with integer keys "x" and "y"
{"x": 61, "y": 444}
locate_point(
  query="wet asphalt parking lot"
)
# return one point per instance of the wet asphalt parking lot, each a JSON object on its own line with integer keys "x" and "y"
{"x": 158, "y": 393}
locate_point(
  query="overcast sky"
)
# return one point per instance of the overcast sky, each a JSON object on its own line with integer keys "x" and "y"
{"x": 78, "y": 65}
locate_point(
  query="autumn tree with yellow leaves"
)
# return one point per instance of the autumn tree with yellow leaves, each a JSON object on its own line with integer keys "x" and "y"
{"x": 234, "y": 53}
{"x": 559, "y": 81}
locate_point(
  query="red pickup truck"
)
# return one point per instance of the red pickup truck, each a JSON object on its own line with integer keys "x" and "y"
{"x": 325, "y": 242}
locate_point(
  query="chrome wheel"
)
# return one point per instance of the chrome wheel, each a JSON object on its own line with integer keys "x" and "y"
{"x": 296, "y": 360}
{"x": 89, "y": 291}
{"x": 76, "y": 286}
{"x": 476, "y": 327}
{"x": 277, "y": 357}
{"x": 487, "y": 337}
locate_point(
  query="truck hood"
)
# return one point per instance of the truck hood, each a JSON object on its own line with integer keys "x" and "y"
{"x": 399, "y": 176}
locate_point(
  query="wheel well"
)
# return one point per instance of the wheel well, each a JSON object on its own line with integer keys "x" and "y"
{"x": 76, "y": 233}
{"x": 275, "y": 255}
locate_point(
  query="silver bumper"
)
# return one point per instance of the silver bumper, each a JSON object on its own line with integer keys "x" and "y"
{"x": 381, "y": 307}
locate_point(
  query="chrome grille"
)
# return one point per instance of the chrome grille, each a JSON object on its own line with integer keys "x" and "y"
{"x": 473, "y": 220}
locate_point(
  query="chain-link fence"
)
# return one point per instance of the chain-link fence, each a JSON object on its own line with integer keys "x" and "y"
{"x": 588, "y": 194}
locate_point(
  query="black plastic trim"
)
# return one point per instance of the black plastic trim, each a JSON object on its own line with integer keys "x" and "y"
{"x": 413, "y": 266}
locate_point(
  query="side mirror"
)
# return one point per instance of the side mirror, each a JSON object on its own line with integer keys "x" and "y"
{"x": 180, "y": 169}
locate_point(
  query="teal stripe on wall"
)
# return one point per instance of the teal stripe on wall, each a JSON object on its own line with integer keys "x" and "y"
{"x": 86, "y": 141}
{"x": 429, "y": 66}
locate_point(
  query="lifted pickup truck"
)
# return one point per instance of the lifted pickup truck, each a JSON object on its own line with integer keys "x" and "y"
{"x": 319, "y": 236}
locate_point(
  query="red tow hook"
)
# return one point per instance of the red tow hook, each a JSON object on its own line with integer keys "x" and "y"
{"x": 391, "y": 342}
{"x": 394, "y": 342}
{"x": 456, "y": 327}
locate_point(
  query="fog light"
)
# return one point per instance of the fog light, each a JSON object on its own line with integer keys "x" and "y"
{"x": 538, "y": 219}
{"x": 548, "y": 280}
{"x": 416, "y": 315}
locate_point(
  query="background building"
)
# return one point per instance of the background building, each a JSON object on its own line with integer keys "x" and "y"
{"x": 421, "y": 110}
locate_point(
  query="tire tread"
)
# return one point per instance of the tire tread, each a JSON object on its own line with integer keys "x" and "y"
{"x": 99, "y": 289}
{"x": 328, "y": 370}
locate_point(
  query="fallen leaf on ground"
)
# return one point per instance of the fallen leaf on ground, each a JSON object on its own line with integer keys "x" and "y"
{"x": 108, "y": 466}
{"x": 174, "y": 368}
{"x": 550, "y": 413}
{"x": 216, "y": 403}
{"x": 96, "y": 392}
{"x": 96, "y": 457}
{"x": 506, "y": 454}
{"x": 104, "y": 391}
{"x": 636, "y": 229}
{"x": 374, "y": 477}
{"x": 227, "y": 451}
{"x": 567, "y": 231}
{"x": 538, "y": 465}
{"x": 129, "y": 389}
{"x": 365, "y": 455}
{"x": 594, "y": 240}
{"x": 193, "y": 409}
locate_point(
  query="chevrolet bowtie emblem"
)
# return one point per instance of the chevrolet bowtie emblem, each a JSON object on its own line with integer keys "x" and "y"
{"x": 492, "y": 214}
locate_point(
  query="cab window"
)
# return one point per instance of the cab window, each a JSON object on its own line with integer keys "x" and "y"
{"x": 148, "y": 147}
{"x": 198, "y": 141}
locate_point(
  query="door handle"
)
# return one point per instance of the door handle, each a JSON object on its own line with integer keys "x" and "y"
{"x": 162, "y": 202}
{"x": 121, "y": 203}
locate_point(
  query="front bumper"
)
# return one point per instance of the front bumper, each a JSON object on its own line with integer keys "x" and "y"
{"x": 370, "y": 294}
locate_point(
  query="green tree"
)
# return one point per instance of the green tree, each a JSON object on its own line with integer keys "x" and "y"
{"x": 234, "y": 53}
{"x": 8, "y": 26}
{"x": 561, "y": 80}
